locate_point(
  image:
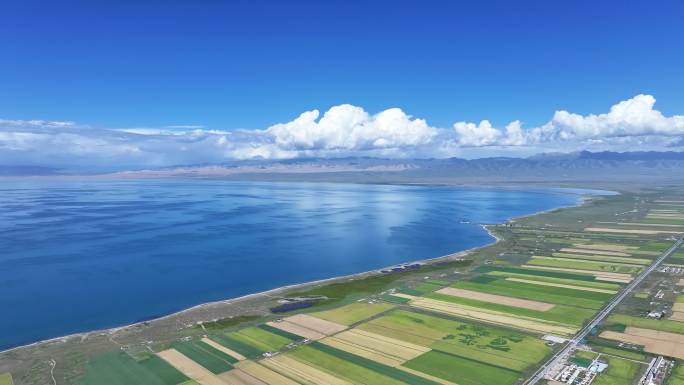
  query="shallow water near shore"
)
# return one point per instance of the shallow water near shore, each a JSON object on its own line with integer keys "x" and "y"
{"x": 78, "y": 256}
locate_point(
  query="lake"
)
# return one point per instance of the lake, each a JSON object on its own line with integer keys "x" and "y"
{"x": 78, "y": 256}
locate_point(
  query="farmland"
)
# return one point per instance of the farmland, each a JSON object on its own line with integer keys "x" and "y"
{"x": 466, "y": 321}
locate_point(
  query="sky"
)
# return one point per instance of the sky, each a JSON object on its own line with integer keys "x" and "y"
{"x": 129, "y": 84}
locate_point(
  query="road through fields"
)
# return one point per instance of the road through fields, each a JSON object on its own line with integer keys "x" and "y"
{"x": 570, "y": 347}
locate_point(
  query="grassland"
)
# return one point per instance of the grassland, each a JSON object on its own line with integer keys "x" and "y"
{"x": 118, "y": 368}
{"x": 619, "y": 372}
{"x": 677, "y": 376}
{"x": 6, "y": 379}
{"x": 353, "y": 313}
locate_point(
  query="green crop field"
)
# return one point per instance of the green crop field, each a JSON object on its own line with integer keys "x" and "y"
{"x": 427, "y": 287}
{"x": 461, "y": 370}
{"x": 585, "y": 355}
{"x": 486, "y": 344}
{"x": 646, "y": 323}
{"x": 282, "y": 333}
{"x": 260, "y": 339}
{"x": 210, "y": 358}
{"x": 394, "y": 299}
{"x": 561, "y": 314}
{"x": 556, "y": 295}
{"x": 619, "y": 372}
{"x": 354, "y": 368}
{"x": 602, "y": 258}
{"x": 352, "y": 313}
{"x": 582, "y": 265}
{"x": 118, "y": 368}
{"x": 574, "y": 282}
{"x": 542, "y": 273}
{"x": 624, "y": 353}
{"x": 677, "y": 376}
{"x": 237, "y": 345}
{"x": 6, "y": 379}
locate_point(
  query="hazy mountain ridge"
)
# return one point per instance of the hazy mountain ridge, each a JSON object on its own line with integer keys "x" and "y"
{"x": 574, "y": 165}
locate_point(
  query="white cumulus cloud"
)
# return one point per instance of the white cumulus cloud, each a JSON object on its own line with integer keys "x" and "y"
{"x": 343, "y": 130}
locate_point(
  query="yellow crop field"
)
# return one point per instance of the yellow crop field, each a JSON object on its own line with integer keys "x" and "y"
{"x": 601, "y": 275}
{"x": 297, "y": 329}
{"x": 629, "y": 231}
{"x": 238, "y": 377}
{"x": 265, "y": 374}
{"x": 594, "y": 251}
{"x": 301, "y": 372}
{"x": 190, "y": 368}
{"x": 653, "y": 341}
{"x": 316, "y": 324}
{"x": 493, "y": 317}
{"x": 605, "y": 246}
{"x": 224, "y": 349}
{"x": 380, "y": 348}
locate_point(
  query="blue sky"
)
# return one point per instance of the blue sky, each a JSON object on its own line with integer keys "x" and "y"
{"x": 226, "y": 65}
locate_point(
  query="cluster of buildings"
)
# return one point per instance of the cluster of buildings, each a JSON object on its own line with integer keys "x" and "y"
{"x": 573, "y": 374}
{"x": 657, "y": 371}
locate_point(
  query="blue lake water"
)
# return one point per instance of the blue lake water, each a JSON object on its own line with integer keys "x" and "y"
{"x": 77, "y": 256}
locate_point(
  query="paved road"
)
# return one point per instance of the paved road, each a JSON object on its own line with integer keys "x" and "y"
{"x": 558, "y": 357}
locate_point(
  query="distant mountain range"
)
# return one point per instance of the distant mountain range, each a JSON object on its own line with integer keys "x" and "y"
{"x": 547, "y": 167}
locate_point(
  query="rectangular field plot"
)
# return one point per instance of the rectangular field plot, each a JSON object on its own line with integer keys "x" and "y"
{"x": 501, "y": 317}
{"x": 461, "y": 370}
{"x": 208, "y": 357}
{"x": 630, "y": 231}
{"x": 265, "y": 374}
{"x": 579, "y": 283}
{"x": 299, "y": 330}
{"x": 231, "y": 353}
{"x": 662, "y": 325}
{"x": 562, "y": 285}
{"x": 316, "y": 324}
{"x": 582, "y": 250}
{"x": 482, "y": 343}
{"x": 530, "y": 291}
{"x": 302, "y": 372}
{"x": 353, "y": 313}
{"x": 190, "y": 367}
{"x": 239, "y": 377}
{"x": 560, "y": 314}
{"x": 606, "y": 247}
{"x": 493, "y": 298}
{"x": 619, "y": 372}
{"x": 377, "y": 347}
{"x": 653, "y": 341}
{"x": 677, "y": 376}
{"x": 118, "y": 368}
{"x": 236, "y": 345}
{"x": 582, "y": 264}
{"x": 586, "y": 276}
{"x": 6, "y": 379}
{"x": 598, "y": 275}
{"x": 264, "y": 339}
{"x": 353, "y": 368}
{"x": 604, "y": 258}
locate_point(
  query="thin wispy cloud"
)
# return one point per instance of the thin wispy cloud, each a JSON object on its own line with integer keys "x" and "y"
{"x": 343, "y": 130}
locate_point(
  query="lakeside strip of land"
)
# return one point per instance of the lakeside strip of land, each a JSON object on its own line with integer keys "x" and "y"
{"x": 195, "y": 313}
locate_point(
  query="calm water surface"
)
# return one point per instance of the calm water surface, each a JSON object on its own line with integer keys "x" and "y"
{"x": 78, "y": 256}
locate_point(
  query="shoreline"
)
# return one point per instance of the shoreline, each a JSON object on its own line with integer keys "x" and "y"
{"x": 583, "y": 198}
